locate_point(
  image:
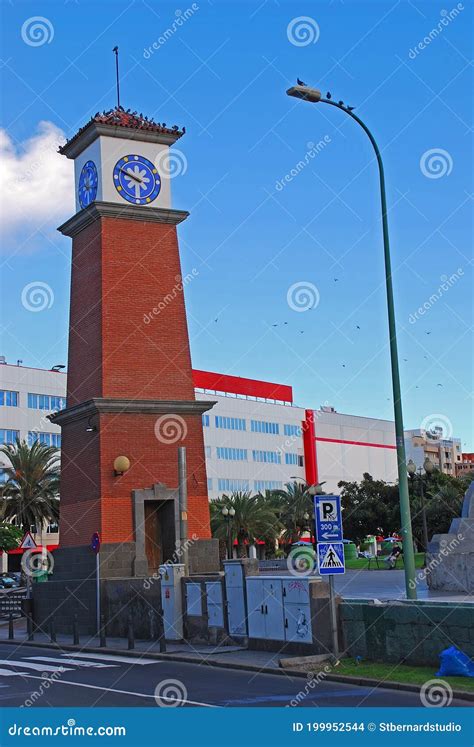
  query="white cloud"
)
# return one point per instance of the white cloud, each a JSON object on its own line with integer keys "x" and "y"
{"x": 38, "y": 186}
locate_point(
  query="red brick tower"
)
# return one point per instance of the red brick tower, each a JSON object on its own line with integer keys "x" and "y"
{"x": 130, "y": 389}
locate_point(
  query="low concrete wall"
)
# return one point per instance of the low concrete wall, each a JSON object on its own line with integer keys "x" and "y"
{"x": 411, "y": 632}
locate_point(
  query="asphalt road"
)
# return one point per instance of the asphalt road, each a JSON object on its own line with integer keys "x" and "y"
{"x": 42, "y": 677}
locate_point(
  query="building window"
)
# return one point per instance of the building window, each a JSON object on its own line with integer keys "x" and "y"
{"x": 228, "y": 452}
{"x": 264, "y": 426}
{"x": 207, "y": 449}
{"x": 261, "y": 485}
{"x": 272, "y": 457}
{"x": 45, "y": 402}
{"x": 229, "y": 485}
{"x": 8, "y": 436}
{"x": 8, "y": 399}
{"x": 52, "y": 528}
{"x": 205, "y": 420}
{"x": 292, "y": 430}
{"x": 232, "y": 424}
{"x": 209, "y": 483}
{"x": 48, "y": 439}
{"x": 295, "y": 459}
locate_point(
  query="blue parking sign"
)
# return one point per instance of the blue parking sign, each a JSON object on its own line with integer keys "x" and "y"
{"x": 331, "y": 558}
{"x": 327, "y": 512}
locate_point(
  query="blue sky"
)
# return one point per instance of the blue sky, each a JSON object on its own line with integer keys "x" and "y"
{"x": 223, "y": 73}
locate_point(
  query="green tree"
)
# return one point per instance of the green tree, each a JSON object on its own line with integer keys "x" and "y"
{"x": 292, "y": 505}
{"x": 255, "y": 518}
{"x": 10, "y": 536}
{"x": 369, "y": 506}
{"x": 30, "y": 494}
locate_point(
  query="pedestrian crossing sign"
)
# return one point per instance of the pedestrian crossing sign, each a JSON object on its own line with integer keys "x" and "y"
{"x": 27, "y": 543}
{"x": 331, "y": 558}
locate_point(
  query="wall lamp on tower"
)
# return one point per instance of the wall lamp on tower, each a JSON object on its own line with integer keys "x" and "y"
{"x": 121, "y": 465}
{"x": 90, "y": 427}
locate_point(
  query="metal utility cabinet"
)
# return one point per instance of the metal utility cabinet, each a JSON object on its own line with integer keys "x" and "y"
{"x": 279, "y": 608}
{"x": 171, "y": 600}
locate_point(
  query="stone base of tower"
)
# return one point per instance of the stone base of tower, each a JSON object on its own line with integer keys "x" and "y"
{"x": 72, "y": 590}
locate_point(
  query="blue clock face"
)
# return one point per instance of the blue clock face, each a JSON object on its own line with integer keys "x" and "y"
{"x": 137, "y": 179}
{"x": 88, "y": 182}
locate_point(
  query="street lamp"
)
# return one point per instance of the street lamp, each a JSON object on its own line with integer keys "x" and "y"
{"x": 228, "y": 514}
{"x": 314, "y": 96}
{"x": 428, "y": 467}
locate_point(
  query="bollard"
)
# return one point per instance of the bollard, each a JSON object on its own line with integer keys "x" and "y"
{"x": 131, "y": 637}
{"x": 103, "y": 642}
{"x": 29, "y": 628}
{"x": 52, "y": 632}
{"x": 75, "y": 632}
{"x": 11, "y": 632}
{"x": 161, "y": 636}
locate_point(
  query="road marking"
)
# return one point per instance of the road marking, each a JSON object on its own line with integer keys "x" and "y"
{"x": 121, "y": 659}
{"x": 118, "y": 692}
{"x": 11, "y": 673}
{"x": 76, "y": 662}
{"x": 38, "y": 667}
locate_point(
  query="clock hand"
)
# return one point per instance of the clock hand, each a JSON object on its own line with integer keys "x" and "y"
{"x": 132, "y": 176}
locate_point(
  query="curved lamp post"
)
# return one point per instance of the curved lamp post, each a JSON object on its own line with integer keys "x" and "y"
{"x": 314, "y": 96}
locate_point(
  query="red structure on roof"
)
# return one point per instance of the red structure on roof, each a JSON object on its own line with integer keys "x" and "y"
{"x": 119, "y": 117}
{"x": 238, "y": 385}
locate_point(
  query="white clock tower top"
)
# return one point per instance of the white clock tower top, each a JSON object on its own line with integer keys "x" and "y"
{"x": 121, "y": 157}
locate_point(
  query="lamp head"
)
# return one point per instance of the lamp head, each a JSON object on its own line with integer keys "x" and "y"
{"x": 428, "y": 466}
{"x": 121, "y": 465}
{"x": 305, "y": 92}
{"x": 411, "y": 467}
{"x": 231, "y": 511}
{"x": 225, "y": 511}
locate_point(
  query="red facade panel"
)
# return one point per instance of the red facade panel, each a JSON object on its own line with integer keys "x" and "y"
{"x": 238, "y": 385}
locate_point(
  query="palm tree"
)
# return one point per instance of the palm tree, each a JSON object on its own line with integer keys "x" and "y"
{"x": 254, "y": 518}
{"x": 30, "y": 494}
{"x": 294, "y": 504}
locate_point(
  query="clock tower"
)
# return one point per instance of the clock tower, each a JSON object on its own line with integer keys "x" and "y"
{"x": 130, "y": 389}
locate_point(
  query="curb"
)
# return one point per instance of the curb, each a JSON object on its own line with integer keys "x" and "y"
{"x": 183, "y": 659}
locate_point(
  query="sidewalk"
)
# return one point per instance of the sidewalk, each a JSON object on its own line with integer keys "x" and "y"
{"x": 235, "y": 656}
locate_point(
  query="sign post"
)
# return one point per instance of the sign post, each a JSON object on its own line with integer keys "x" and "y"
{"x": 95, "y": 547}
{"x": 328, "y": 518}
{"x": 28, "y": 543}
